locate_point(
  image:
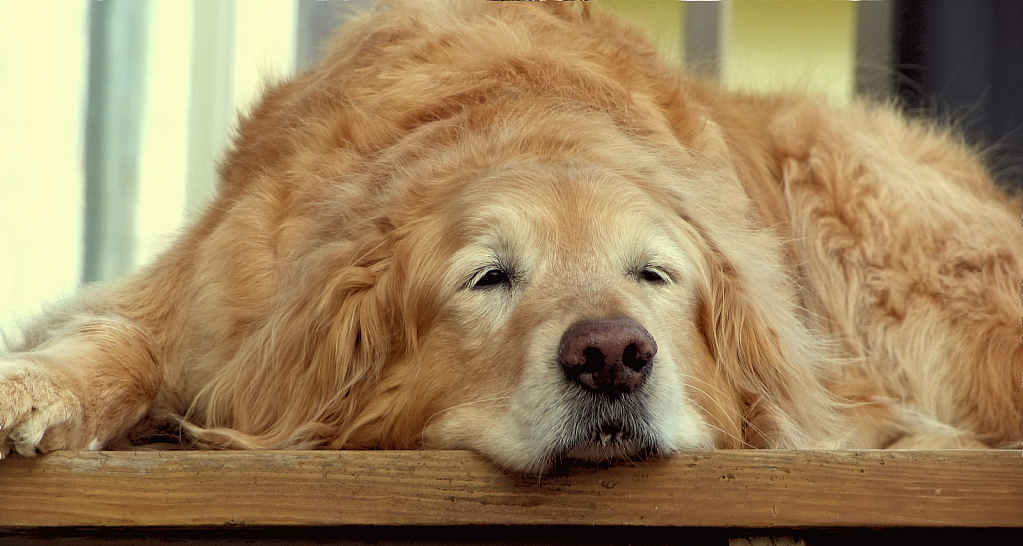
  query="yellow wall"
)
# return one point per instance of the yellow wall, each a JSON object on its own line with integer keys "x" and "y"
{"x": 772, "y": 45}
{"x": 766, "y": 45}
{"x": 664, "y": 20}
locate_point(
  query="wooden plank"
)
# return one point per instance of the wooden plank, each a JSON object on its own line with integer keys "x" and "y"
{"x": 751, "y": 489}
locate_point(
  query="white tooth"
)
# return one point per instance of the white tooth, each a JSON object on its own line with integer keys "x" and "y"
{"x": 604, "y": 439}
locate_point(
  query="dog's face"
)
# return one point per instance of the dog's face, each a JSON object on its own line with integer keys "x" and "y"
{"x": 567, "y": 330}
{"x": 557, "y": 310}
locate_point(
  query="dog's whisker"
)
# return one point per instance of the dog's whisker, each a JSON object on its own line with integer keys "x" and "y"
{"x": 497, "y": 397}
{"x": 723, "y": 408}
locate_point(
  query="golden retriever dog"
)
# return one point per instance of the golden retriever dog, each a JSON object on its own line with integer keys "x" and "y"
{"x": 510, "y": 228}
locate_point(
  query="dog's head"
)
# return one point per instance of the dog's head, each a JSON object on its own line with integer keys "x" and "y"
{"x": 552, "y": 287}
{"x": 567, "y": 321}
{"x": 527, "y": 253}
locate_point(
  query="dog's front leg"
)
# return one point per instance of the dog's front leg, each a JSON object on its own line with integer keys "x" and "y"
{"x": 86, "y": 383}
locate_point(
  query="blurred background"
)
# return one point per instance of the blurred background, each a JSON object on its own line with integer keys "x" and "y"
{"x": 114, "y": 113}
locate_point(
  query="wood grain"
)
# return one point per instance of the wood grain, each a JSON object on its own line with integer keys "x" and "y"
{"x": 754, "y": 489}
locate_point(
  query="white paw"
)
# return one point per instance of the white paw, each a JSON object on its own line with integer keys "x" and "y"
{"x": 38, "y": 410}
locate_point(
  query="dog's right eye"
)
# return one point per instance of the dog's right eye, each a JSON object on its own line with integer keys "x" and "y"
{"x": 652, "y": 276}
{"x": 492, "y": 277}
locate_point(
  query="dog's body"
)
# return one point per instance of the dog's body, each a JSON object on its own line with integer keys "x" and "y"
{"x": 510, "y": 228}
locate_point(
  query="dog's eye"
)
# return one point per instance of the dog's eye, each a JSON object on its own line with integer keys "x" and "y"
{"x": 652, "y": 276}
{"x": 493, "y": 277}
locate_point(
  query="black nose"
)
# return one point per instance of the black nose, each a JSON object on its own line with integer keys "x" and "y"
{"x": 607, "y": 356}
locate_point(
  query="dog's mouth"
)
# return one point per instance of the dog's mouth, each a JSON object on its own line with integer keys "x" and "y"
{"x": 610, "y": 433}
{"x": 612, "y": 440}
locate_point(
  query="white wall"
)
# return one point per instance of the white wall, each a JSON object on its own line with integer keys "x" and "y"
{"x": 43, "y": 61}
{"x": 205, "y": 61}
{"x": 200, "y": 77}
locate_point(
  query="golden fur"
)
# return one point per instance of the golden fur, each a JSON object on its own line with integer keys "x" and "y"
{"x": 405, "y": 236}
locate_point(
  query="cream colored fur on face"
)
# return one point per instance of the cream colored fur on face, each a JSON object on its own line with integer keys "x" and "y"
{"x": 822, "y": 277}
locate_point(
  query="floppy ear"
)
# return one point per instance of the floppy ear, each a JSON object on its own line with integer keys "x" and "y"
{"x": 749, "y": 312}
{"x": 303, "y": 376}
{"x": 749, "y": 309}
{"x": 750, "y": 322}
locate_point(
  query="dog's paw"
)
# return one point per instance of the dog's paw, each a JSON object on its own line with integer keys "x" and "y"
{"x": 39, "y": 410}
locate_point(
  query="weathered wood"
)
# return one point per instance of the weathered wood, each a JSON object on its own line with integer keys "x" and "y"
{"x": 753, "y": 489}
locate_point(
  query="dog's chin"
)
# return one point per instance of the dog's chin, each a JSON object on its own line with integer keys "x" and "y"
{"x": 610, "y": 443}
{"x": 579, "y": 443}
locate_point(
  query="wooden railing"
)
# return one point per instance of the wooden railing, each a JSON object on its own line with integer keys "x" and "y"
{"x": 711, "y": 489}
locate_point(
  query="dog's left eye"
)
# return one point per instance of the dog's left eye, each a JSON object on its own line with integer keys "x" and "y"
{"x": 492, "y": 277}
{"x": 652, "y": 276}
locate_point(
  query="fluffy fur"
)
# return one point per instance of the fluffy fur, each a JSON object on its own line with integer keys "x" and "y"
{"x": 404, "y": 235}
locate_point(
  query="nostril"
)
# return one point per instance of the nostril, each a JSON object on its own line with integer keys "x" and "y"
{"x": 593, "y": 360}
{"x": 636, "y": 357}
